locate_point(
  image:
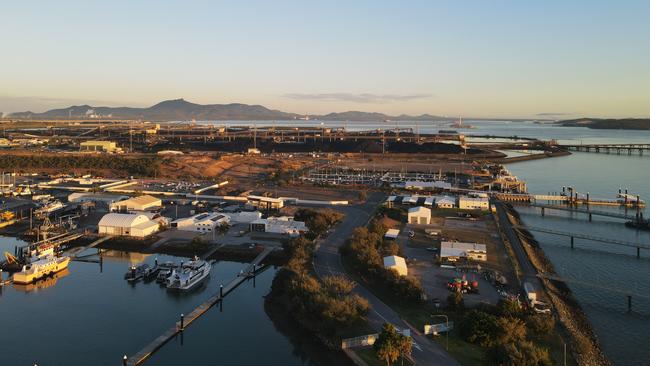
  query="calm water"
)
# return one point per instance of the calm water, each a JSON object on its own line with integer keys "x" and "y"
{"x": 623, "y": 335}
{"x": 93, "y": 317}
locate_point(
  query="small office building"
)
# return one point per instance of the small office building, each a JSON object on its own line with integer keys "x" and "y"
{"x": 265, "y": 203}
{"x": 279, "y": 225}
{"x": 419, "y": 215}
{"x": 397, "y": 264}
{"x": 452, "y": 251}
{"x": 473, "y": 203}
{"x": 203, "y": 222}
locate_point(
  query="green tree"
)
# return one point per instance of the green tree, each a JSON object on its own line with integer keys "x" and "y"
{"x": 455, "y": 301}
{"x": 510, "y": 330}
{"x": 540, "y": 325}
{"x": 386, "y": 345}
{"x": 479, "y": 327}
{"x": 521, "y": 353}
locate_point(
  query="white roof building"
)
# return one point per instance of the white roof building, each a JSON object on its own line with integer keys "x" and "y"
{"x": 452, "y": 251}
{"x": 419, "y": 215}
{"x": 136, "y": 225}
{"x": 391, "y": 234}
{"x": 203, "y": 222}
{"x": 139, "y": 203}
{"x": 244, "y": 217}
{"x": 279, "y": 225}
{"x": 396, "y": 263}
{"x": 445, "y": 202}
{"x": 409, "y": 200}
{"x": 429, "y": 201}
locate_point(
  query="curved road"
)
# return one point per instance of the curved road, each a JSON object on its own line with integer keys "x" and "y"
{"x": 327, "y": 262}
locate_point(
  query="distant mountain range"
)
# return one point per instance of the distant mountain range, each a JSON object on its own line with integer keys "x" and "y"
{"x": 609, "y": 123}
{"x": 182, "y": 110}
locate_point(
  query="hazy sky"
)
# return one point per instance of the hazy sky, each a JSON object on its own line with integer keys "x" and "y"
{"x": 472, "y": 58}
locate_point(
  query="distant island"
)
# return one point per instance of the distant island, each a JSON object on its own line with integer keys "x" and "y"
{"x": 609, "y": 123}
{"x": 182, "y": 110}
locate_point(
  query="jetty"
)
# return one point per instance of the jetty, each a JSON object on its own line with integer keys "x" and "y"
{"x": 148, "y": 350}
{"x": 609, "y": 148}
{"x": 637, "y": 217}
{"x": 600, "y": 239}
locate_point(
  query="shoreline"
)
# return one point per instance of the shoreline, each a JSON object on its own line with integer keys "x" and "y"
{"x": 583, "y": 340}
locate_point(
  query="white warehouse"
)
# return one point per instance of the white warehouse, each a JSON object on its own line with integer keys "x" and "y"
{"x": 419, "y": 215}
{"x": 140, "y": 203}
{"x": 136, "y": 225}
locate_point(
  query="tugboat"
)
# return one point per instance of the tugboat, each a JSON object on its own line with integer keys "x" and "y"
{"x": 190, "y": 275}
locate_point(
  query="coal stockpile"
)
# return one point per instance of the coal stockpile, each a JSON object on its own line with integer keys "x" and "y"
{"x": 325, "y": 145}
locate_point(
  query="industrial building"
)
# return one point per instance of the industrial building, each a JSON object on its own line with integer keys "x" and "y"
{"x": 244, "y": 217}
{"x": 397, "y": 264}
{"x": 203, "y": 222}
{"x": 445, "y": 202}
{"x": 265, "y": 203}
{"x": 135, "y": 225}
{"x": 279, "y": 225}
{"x": 391, "y": 234}
{"x": 452, "y": 251}
{"x": 139, "y": 203}
{"x": 98, "y": 146}
{"x": 105, "y": 199}
{"x": 473, "y": 203}
{"x": 419, "y": 215}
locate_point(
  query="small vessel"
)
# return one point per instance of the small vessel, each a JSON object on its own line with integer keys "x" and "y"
{"x": 190, "y": 275}
{"x": 50, "y": 207}
{"x": 165, "y": 270}
{"x": 137, "y": 272}
{"x": 40, "y": 268}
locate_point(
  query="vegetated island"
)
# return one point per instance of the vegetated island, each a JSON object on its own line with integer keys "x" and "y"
{"x": 609, "y": 123}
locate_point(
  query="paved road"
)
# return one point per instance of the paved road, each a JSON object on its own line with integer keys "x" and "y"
{"x": 328, "y": 262}
{"x": 529, "y": 272}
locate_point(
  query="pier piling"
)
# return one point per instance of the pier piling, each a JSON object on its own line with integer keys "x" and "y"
{"x": 124, "y": 359}
{"x": 638, "y": 253}
{"x": 629, "y": 302}
{"x": 572, "y": 242}
{"x": 182, "y": 321}
{"x": 221, "y": 290}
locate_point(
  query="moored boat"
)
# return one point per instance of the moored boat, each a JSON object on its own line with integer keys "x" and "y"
{"x": 40, "y": 268}
{"x": 189, "y": 276}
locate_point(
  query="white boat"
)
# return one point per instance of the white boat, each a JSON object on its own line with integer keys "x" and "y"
{"x": 50, "y": 207}
{"x": 190, "y": 275}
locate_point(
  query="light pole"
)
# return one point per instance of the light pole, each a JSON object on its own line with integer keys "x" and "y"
{"x": 447, "y": 321}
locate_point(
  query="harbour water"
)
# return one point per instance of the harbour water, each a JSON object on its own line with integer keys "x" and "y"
{"x": 92, "y": 316}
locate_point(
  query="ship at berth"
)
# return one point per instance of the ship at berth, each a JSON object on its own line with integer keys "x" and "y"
{"x": 189, "y": 276}
{"x": 41, "y": 268}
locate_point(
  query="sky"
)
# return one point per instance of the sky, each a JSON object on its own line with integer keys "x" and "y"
{"x": 473, "y": 58}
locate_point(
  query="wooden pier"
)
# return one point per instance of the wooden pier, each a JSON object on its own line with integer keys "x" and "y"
{"x": 600, "y": 239}
{"x": 188, "y": 319}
